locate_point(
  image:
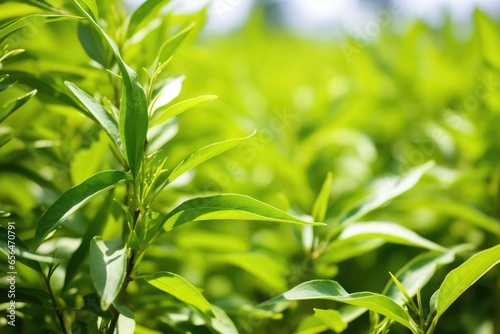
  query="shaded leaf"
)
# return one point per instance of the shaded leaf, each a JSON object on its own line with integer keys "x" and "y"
{"x": 22, "y": 253}
{"x": 12, "y": 106}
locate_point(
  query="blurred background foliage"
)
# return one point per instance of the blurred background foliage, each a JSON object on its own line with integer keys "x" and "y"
{"x": 361, "y": 108}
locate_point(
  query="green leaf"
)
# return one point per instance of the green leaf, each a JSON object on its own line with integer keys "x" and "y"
{"x": 416, "y": 273}
{"x": 33, "y": 20}
{"x": 390, "y": 188}
{"x": 22, "y": 253}
{"x": 331, "y": 318}
{"x": 27, "y": 295}
{"x": 270, "y": 271}
{"x": 164, "y": 113}
{"x": 461, "y": 278}
{"x": 332, "y": 290}
{"x": 321, "y": 204}
{"x": 389, "y": 232}
{"x": 490, "y": 41}
{"x": 95, "y": 228}
{"x": 148, "y": 8}
{"x": 108, "y": 264}
{"x": 10, "y": 107}
{"x": 92, "y": 43}
{"x": 204, "y": 154}
{"x": 221, "y": 323}
{"x": 181, "y": 289}
{"x": 347, "y": 249}
{"x": 103, "y": 117}
{"x": 126, "y": 322}
{"x": 227, "y": 206}
{"x": 6, "y": 134}
{"x": 73, "y": 199}
{"x": 311, "y": 325}
{"x": 133, "y": 123}
{"x": 168, "y": 48}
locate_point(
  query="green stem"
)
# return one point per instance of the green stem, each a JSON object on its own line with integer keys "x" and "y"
{"x": 58, "y": 311}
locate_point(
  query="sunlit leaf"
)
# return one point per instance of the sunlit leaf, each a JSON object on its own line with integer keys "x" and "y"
{"x": 34, "y": 21}
{"x": 108, "y": 264}
{"x": 162, "y": 114}
{"x": 332, "y": 319}
{"x": 321, "y": 203}
{"x": 228, "y": 206}
{"x": 10, "y": 107}
{"x": 73, "y": 199}
{"x": 181, "y": 289}
{"x": 103, "y": 117}
{"x": 331, "y": 290}
{"x": 461, "y": 278}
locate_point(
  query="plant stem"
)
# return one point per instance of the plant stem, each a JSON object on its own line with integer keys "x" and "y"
{"x": 59, "y": 313}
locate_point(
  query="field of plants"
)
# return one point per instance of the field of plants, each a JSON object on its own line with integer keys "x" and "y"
{"x": 156, "y": 178}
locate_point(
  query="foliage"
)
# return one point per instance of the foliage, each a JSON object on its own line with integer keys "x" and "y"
{"x": 321, "y": 168}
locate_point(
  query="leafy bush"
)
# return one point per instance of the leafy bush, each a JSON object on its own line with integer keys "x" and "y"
{"x": 374, "y": 158}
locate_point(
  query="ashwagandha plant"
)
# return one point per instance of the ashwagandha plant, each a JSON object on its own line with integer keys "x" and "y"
{"x": 134, "y": 128}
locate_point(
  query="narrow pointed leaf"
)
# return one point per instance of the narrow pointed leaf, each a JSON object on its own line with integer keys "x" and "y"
{"x": 204, "y": 154}
{"x": 461, "y": 278}
{"x": 6, "y": 134}
{"x": 389, "y": 232}
{"x": 10, "y": 107}
{"x": 169, "y": 46}
{"x": 228, "y": 206}
{"x": 163, "y": 114}
{"x": 147, "y": 8}
{"x": 108, "y": 263}
{"x": 133, "y": 123}
{"x": 103, "y": 117}
{"x": 33, "y": 20}
{"x": 332, "y": 290}
{"x": 416, "y": 273}
{"x": 321, "y": 203}
{"x": 181, "y": 289}
{"x": 22, "y": 253}
{"x": 390, "y": 188}
{"x": 332, "y": 319}
{"x": 73, "y": 199}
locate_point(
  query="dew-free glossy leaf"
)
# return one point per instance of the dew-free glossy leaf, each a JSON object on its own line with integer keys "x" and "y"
{"x": 416, "y": 273}
{"x": 148, "y": 8}
{"x": 73, "y": 199}
{"x": 204, "y": 154}
{"x": 103, "y": 117}
{"x": 27, "y": 295}
{"x": 6, "y": 134}
{"x": 34, "y": 21}
{"x": 12, "y": 106}
{"x": 181, "y": 289}
{"x": 168, "y": 48}
{"x": 264, "y": 267}
{"x": 332, "y": 290}
{"x": 461, "y": 278}
{"x": 332, "y": 319}
{"x": 389, "y": 232}
{"x": 321, "y": 204}
{"x": 227, "y": 206}
{"x": 163, "y": 114}
{"x": 389, "y": 188}
{"x": 133, "y": 123}
{"x": 22, "y": 253}
{"x": 108, "y": 264}
{"x": 490, "y": 41}
{"x": 95, "y": 228}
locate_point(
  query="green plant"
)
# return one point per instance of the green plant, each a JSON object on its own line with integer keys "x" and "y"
{"x": 97, "y": 177}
